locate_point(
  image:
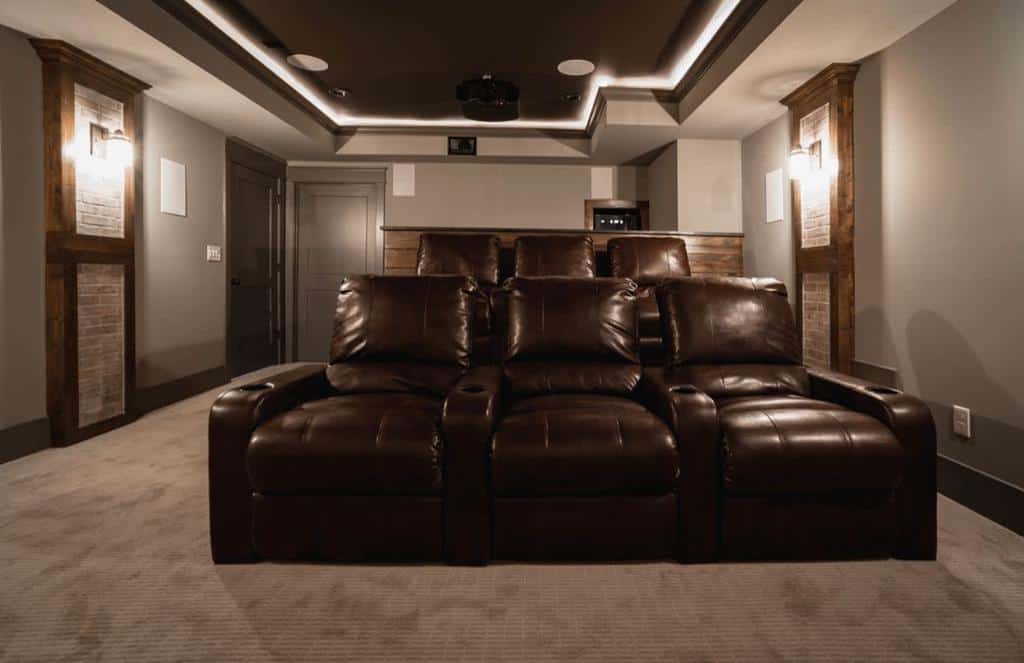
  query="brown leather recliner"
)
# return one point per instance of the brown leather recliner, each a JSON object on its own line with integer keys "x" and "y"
{"x": 555, "y": 255}
{"x": 346, "y": 461}
{"x": 648, "y": 261}
{"x": 578, "y": 467}
{"x": 805, "y": 463}
{"x": 467, "y": 254}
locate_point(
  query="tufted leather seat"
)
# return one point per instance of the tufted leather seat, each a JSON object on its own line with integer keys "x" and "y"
{"x": 359, "y": 444}
{"x": 587, "y": 445}
{"x": 795, "y": 445}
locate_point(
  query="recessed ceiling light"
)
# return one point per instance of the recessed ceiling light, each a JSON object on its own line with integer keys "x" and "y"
{"x": 339, "y": 92}
{"x": 576, "y": 67}
{"x": 307, "y": 62}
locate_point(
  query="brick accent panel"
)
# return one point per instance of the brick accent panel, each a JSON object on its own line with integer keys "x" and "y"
{"x": 816, "y": 320}
{"x": 101, "y": 309}
{"x": 815, "y": 190}
{"x": 99, "y": 196}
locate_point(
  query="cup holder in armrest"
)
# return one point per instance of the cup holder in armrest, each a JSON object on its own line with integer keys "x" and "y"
{"x": 884, "y": 391}
{"x": 471, "y": 389}
{"x": 259, "y": 386}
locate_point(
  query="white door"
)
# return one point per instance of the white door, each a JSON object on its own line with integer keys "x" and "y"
{"x": 336, "y": 235}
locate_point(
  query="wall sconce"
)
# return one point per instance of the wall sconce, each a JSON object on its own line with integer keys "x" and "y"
{"x": 803, "y": 161}
{"x": 113, "y": 146}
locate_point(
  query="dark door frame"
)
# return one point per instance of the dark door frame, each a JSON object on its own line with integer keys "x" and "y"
{"x": 237, "y": 152}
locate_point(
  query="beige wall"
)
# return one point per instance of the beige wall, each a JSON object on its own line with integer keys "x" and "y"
{"x": 710, "y": 191}
{"x": 663, "y": 189}
{"x": 939, "y": 144}
{"x": 493, "y": 195}
{"x": 22, "y": 237}
{"x": 696, "y": 185}
{"x": 767, "y": 247}
{"x": 180, "y": 297}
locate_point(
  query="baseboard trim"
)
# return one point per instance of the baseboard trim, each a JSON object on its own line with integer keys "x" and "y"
{"x": 152, "y": 398}
{"x": 883, "y": 375}
{"x": 990, "y": 496}
{"x": 24, "y": 439}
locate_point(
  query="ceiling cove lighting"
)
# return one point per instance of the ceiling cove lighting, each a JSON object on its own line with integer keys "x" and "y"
{"x": 321, "y": 101}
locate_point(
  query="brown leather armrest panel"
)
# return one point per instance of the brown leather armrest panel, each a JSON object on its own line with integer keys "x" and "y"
{"x": 693, "y": 418}
{"x": 468, "y": 420}
{"x": 233, "y": 417}
{"x": 912, "y": 423}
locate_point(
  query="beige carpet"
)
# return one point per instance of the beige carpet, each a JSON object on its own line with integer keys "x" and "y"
{"x": 103, "y": 557}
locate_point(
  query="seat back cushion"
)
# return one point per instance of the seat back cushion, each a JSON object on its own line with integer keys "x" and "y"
{"x": 465, "y": 254}
{"x": 555, "y": 255}
{"x": 569, "y": 335}
{"x": 402, "y": 333}
{"x": 648, "y": 260}
{"x": 732, "y": 336}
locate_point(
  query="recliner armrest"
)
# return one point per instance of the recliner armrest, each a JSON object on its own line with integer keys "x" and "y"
{"x": 693, "y": 418}
{"x": 234, "y": 416}
{"x": 912, "y": 423}
{"x": 468, "y": 419}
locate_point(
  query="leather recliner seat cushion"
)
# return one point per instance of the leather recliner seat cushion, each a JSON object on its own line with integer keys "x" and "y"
{"x": 791, "y": 445}
{"x": 555, "y": 255}
{"x": 359, "y": 444}
{"x": 582, "y": 445}
{"x": 402, "y": 333}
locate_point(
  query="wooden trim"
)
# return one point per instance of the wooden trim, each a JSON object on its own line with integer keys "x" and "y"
{"x": 63, "y": 66}
{"x": 24, "y": 439}
{"x": 161, "y": 395}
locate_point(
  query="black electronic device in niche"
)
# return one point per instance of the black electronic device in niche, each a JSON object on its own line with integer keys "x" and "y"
{"x": 617, "y": 219}
{"x": 462, "y": 145}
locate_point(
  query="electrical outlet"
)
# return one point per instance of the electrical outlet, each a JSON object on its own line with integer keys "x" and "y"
{"x": 962, "y": 421}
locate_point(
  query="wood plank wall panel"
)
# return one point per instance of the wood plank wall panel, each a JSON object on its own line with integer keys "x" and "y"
{"x": 709, "y": 254}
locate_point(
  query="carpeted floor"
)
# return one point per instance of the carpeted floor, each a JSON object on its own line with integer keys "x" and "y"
{"x": 103, "y": 557}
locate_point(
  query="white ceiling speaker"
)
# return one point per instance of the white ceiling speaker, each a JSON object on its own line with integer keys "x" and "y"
{"x": 307, "y": 62}
{"x": 576, "y": 67}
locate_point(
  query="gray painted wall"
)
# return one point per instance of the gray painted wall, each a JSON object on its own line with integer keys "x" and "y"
{"x": 663, "y": 189}
{"x": 180, "y": 312}
{"x": 939, "y": 146}
{"x": 767, "y": 247}
{"x": 22, "y": 235}
{"x": 493, "y": 195}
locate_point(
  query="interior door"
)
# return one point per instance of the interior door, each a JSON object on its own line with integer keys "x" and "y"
{"x": 254, "y": 251}
{"x": 336, "y": 233}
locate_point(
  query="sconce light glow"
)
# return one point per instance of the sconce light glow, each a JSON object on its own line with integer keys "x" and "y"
{"x": 119, "y": 149}
{"x": 799, "y": 164}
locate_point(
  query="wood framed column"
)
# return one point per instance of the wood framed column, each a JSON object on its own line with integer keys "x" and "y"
{"x": 90, "y": 242}
{"x": 821, "y": 122}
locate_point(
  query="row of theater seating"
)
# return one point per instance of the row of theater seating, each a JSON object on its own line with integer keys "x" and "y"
{"x": 645, "y": 260}
{"x": 566, "y": 446}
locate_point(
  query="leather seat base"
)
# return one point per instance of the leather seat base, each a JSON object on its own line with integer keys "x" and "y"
{"x": 808, "y": 527}
{"x": 582, "y": 445}
{"x": 571, "y": 528}
{"x": 350, "y": 529}
{"x": 792, "y": 445}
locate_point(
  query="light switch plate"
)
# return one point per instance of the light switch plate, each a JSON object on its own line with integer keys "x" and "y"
{"x": 212, "y": 253}
{"x": 962, "y": 421}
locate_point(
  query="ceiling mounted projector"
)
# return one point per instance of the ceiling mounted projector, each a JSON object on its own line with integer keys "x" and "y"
{"x": 488, "y": 100}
